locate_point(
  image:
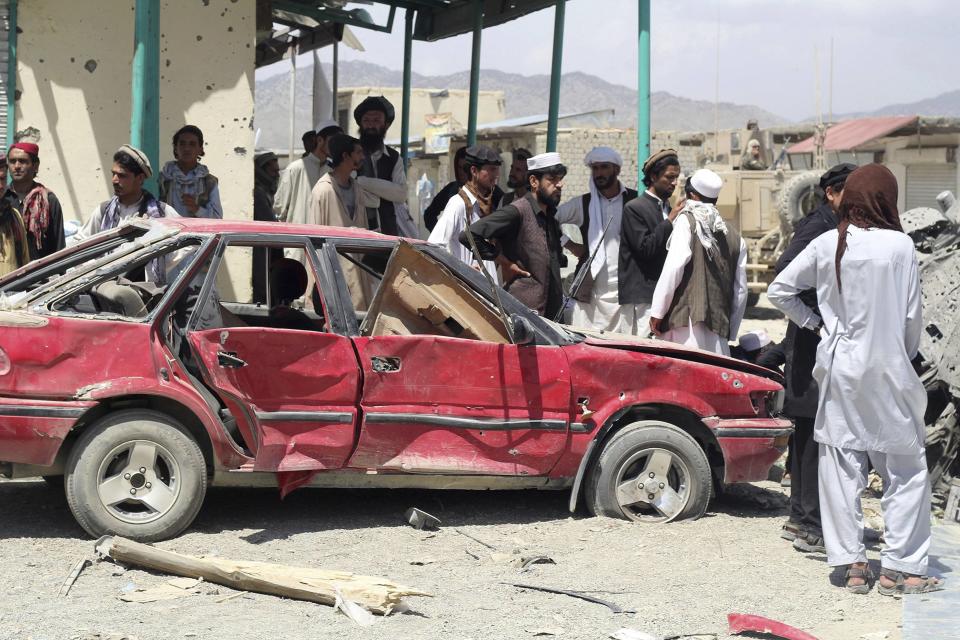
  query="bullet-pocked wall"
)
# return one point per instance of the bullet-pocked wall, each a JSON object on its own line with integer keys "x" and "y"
{"x": 74, "y": 84}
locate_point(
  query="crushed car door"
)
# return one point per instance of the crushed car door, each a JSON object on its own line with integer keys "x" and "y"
{"x": 298, "y": 388}
{"x": 444, "y": 391}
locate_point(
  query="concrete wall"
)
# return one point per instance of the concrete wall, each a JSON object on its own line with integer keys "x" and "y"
{"x": 491, "y": 107}
{"x": 74, "y": 80}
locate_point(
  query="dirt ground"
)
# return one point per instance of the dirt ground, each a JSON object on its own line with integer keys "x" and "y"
{"x": 681, "y": 578}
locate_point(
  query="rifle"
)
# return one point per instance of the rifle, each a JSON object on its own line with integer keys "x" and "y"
{"x": 582, "y": 273}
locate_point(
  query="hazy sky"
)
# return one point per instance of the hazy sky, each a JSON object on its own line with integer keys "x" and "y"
{"x": 885, "y": 51}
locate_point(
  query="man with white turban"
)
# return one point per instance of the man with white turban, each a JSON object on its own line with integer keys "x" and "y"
{"x": 598, "y": 214}
{"x": 702, "y": 291}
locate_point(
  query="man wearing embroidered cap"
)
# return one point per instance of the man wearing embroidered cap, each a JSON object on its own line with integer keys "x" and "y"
{"x": 292, "y": 200}
{"x": 472, "y": 202}
{"x": 527, "y": 237}
{"x": 702, "y": 291}
{"x": 13, "y": 235}
{"x": 131, "y": 168}
{"x": 647, "y": 224}
{"x": 374, "y": 116}
{"x": 38, "y": 206}
{"x": 598, "y": 213}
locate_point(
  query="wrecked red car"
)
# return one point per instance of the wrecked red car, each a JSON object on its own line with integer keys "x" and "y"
{"x": 152, "y": 361}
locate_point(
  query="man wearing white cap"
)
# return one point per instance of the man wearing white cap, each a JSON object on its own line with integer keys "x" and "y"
{"x": 292, "y": 200}
{"x": 527, "y": 237}
{"x": 598, "y": 214}
{"x": 701, "y": 295}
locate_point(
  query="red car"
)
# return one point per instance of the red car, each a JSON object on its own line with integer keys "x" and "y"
{"x": 152, "y": 361}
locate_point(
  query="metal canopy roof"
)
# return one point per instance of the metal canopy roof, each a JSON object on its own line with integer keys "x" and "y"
{"x": 851, "y": 134}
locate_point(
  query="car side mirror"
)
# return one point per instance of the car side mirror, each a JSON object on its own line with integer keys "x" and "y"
{"x": 523, "y": 330}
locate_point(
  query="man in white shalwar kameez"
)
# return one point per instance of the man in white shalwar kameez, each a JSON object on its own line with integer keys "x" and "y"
{"x": 701, "y": 294}
{"x": 871, "y": 402}
{"x": 598, "y": 214}
{"x": 292, "y": 199}
{"x": 475, "y": 197}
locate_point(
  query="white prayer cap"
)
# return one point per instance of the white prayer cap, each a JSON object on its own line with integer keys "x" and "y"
{"x": 754, "y": 340}
{"x": 753, "y": 143}
{"x": 706, "y": 183}
{"x": 326, "y": 124}
{"x": 544, "y": 161}
{"x": 603, "y": 154}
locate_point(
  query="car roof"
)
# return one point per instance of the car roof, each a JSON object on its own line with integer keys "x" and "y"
{"x": 208, "y": 225}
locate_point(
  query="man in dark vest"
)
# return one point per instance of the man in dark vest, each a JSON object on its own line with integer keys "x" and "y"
{"x": 647, "y": 224}
{"x": 374, "y": 116}
{"x": 800, "y": 403}
{"x": 702, "y": 291}
{"x": 598, "y": 213}
{"x": 527, "y": 237}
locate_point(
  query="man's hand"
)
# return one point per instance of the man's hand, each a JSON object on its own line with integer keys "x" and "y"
{"x": 577, "y": 249}
{"x": 512, "y": 271}
{"x": 677, "y": 208}
{"x": 190, "y": 202}
{"x": 655, "y": 325}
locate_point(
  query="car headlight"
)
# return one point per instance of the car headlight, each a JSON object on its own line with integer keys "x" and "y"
{"x": 767, "y": 402}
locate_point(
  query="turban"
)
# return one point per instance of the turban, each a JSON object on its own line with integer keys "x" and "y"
{"x": 603, "y": 154}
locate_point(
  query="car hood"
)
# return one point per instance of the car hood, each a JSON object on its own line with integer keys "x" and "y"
{"x": 673, "y": 350}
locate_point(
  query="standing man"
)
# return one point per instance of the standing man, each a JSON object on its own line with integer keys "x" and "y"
{"x": 374, "y": 116}
{"x": 13, "y": 235}
{"x": 871, "y": 402}
{"x": 598, "y": 213}
{"x": 130, "y": 169}
{"x": 752, "y": 160}
{"x": 292, "y": 200}
{"x": 528, "y": 238}
{"x": 800, "y": 402}
{"x": 702, "y": 291}
{"x": 461, "y": 173}
{"x": 266, "y": 176}
{"x": 338, "y": 200}
{"x": 309, "y": 139}
{"x": 38, "y": 206}
{"x": 647, "y": 224}
{"x": 472, "y": 202}
{"x": 185, "y": 183}
{"x": 517, "y": 178}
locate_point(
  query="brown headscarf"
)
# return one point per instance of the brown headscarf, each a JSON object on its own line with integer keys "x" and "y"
{"x": 869, "y": 201}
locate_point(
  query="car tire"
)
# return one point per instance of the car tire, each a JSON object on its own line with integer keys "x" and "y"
{"x": 623, "y": 467}
{"x": 797, "y": 197}
{"x": 138, "y": 474}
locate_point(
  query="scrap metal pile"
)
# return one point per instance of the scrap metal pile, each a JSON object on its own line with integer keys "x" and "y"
{"x": 936, "y": 235}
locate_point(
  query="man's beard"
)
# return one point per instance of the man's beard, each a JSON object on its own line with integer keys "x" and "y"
{"x": 372, "y": 139}
{"x": 515, "y": 184}
{"x": 550, "y": 201}
{"x": 603, "y": 182}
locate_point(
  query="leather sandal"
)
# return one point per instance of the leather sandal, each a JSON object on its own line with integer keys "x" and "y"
{"x": 857, "y": 573}
{"x": 900, "y": 587}
{"x": 791, "y": 530}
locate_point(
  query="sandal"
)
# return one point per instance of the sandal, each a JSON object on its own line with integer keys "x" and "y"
{"x": 791, "y": 530}
{"x": 900, "y": 587}
{"x": 809, "y": 542}
{"x": 857, "y": 573}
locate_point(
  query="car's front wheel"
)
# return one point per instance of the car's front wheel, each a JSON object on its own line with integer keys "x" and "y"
{"x": 650, "y": 471}
{"x": 138, "y": 474}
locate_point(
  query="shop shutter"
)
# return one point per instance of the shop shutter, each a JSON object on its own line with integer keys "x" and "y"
{"x": 926, "y": 181}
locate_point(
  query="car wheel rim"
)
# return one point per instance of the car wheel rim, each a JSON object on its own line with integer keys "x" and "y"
{"x": 653, "y": 485}
{"x": 138, "y": 481}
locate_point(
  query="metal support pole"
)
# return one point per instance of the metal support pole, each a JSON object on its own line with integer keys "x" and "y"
{"x": 293, "y": 100}
{"x": 405, "y": 106}
{"x": 145, "y": 98}
{"x": 643, "y": 88}
{"x": 475, "y": 72}
{"x": 336, "y": 77}
{"x": 12, "y": 75}
{"x": 556, "y": 70}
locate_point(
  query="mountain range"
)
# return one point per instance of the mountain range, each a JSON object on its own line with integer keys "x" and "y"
{"x": 527, "y": 95}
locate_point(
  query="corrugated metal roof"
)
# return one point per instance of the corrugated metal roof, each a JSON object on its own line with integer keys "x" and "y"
{"x": 848, "y": 135}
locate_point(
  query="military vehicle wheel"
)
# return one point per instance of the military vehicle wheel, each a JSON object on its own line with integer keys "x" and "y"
{"x": 138, "y": 474}
{"x": 650, "y": 471}
{"x": 798, "y": 196}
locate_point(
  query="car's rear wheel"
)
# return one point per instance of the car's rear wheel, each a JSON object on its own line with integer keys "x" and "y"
{"x": 138, "y": 474}
{"x": 650, "y": 471}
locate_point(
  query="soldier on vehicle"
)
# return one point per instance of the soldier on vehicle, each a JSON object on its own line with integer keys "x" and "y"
{"x": 752, "y": 159}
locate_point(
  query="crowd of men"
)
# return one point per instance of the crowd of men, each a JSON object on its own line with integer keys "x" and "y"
{"x": 644, "y": 267}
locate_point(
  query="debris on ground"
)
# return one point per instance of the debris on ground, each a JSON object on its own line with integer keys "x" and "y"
{"x": 546, "y": 631}
{"x": 632, "y": 634}
{"x": 477, "y": 540}
{"x": 375, "y": 594}
{"x": 573, "y": 594}
{"x": 420, "y": 519}
{"x": 352, "y": 610}
{"x": 72, "y": 577}
{"x": 740, "y": 622}
{"x": 170, "y": 590}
